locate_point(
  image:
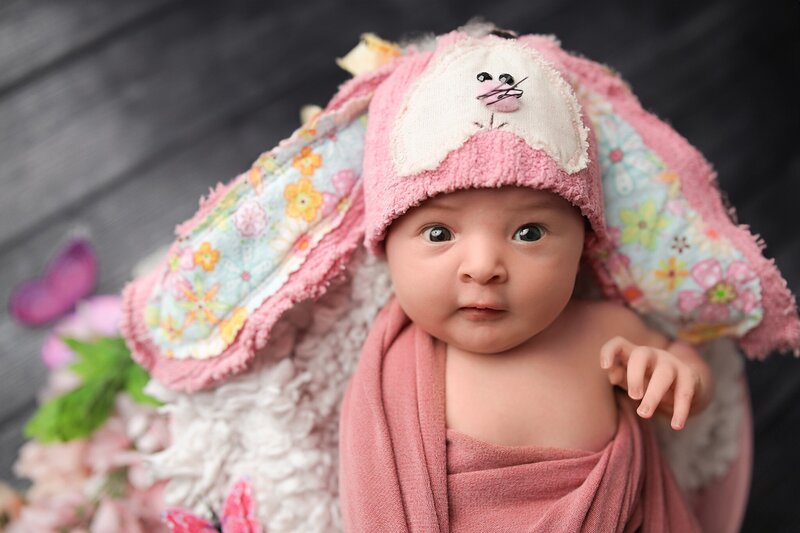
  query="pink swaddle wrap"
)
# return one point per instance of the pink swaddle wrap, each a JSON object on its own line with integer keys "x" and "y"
{"x": 402, "y": 470}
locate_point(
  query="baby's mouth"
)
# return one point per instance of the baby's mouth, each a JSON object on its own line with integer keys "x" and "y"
{"x": 480, "y": 312}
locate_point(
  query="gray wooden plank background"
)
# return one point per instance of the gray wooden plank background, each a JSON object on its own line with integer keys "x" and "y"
{"x": 117, "y": 116}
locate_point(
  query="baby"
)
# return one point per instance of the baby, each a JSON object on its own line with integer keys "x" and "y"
{"x": 484, "y": 398}
{"x": 491, "y": 273}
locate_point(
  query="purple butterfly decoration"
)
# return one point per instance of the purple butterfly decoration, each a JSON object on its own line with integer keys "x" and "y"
{"x": 238, "y": 515}
{"x": 69, "y": 278}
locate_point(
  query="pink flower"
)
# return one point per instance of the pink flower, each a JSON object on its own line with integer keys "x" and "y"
{"x": 178, "y": 261}
{"x": 676, "y": 207}
{"x": 250, "y": 219}
{"x": 185, "y": 258}
{"x": 55, "y": 513}
{"x": 53, "y": 468}
{"x": 67, "y": 476}
{"x": 722, "y": 292}
{"x": 99, "y": 483}
{"x": 147, "y": 505}
{"x": 108, "y": 447}
{"x": 343, "y": 181}
{"x": 98, "y": 316}
{"x": 133, "y": 429}
{"x": 116, "y": 515}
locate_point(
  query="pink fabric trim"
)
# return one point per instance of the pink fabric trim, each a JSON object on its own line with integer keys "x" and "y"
{"x": 482, "y": 161}
{"x": 206, "y": 205}
{"x": 327, "y": 260}
{"x": 780, "y": 327}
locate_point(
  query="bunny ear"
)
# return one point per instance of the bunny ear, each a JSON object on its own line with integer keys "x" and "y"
{"x": 274, "y": 236}
{"x": 675, "y": 254}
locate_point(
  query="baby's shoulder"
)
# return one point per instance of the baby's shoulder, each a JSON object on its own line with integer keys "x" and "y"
{"x": 608, "y": 319}
{"x": 602, "y": 310}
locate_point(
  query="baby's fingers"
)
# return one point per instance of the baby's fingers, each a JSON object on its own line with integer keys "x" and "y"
{"x": 616, "y": 349}
{"x": 684, "y": 393}
{"x": 616, "y": 376}
{"x": 638, "y": 362}
{"x": 660, "y": 382}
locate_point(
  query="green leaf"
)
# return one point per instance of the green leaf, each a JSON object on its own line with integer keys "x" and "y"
{"x": 76, "y": 414}
{"x": 134, "y": 384}
{"x": 106, "y": 368}
{"x": 99, "y": 358}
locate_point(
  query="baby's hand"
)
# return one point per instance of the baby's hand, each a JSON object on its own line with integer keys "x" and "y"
{"x": 657, "y": 377}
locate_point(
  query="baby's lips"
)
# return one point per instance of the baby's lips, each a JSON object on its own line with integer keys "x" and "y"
{"x": 483, "y": 305}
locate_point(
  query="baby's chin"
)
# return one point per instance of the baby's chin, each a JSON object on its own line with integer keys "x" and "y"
{"x": 484, "y": 342}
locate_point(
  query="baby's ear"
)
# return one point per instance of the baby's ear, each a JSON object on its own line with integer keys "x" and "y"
{"x": 274, "y": 236}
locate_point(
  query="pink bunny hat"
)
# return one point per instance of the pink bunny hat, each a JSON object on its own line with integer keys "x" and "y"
{"x": 476, "y": 112}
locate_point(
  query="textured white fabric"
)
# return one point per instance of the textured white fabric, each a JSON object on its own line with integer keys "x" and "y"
{"x": 705, "y": 448}
{"x": 277, "y": 424}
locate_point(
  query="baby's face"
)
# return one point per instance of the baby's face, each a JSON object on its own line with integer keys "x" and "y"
{"x": 513, "y": 249}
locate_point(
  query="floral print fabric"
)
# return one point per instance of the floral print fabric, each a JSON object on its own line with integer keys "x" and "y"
{"x": 665, "y": 260}
{"x": 258, "y": 233}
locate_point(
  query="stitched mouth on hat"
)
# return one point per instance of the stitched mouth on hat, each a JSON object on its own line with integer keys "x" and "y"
{"x": 491, "y": 123}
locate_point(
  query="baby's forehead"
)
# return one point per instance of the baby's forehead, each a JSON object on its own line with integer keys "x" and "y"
{"x": 503, "y": 198}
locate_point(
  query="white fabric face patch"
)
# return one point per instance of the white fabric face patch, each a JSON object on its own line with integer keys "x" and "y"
{"x": 442, "y": 109}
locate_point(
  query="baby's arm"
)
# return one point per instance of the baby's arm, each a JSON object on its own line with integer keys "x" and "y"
{"x": 669, "y": 376}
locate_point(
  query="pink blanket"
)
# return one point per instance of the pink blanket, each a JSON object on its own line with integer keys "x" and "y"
{"x": 401, "y": 469}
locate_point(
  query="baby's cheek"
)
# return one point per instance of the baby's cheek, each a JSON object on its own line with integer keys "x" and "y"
{"x": 420, "y": 299}
{"x": 547, "y": 291}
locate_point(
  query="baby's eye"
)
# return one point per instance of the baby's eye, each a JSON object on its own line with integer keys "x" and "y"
{"x": 437, "y": 234}
{"x": 529, "y": 233}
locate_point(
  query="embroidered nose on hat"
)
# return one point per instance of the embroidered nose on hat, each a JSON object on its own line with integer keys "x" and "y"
{"x": 501, "y": 95}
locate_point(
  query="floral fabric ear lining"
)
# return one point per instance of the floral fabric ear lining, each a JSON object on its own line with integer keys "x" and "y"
{"x": 252, "y": 241}
{"x": 675, "y": 254}
{"x": 253, "y": 250}
{"x": 666, "y": 259}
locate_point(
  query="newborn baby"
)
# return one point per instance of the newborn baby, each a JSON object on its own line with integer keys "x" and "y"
{"x": 484, "y": 398}
{"x": 490, "y": 272}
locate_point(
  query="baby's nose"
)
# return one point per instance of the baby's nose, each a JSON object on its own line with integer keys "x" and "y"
{"x": 494, "y": 96}
{"x": 482, "y": 266}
